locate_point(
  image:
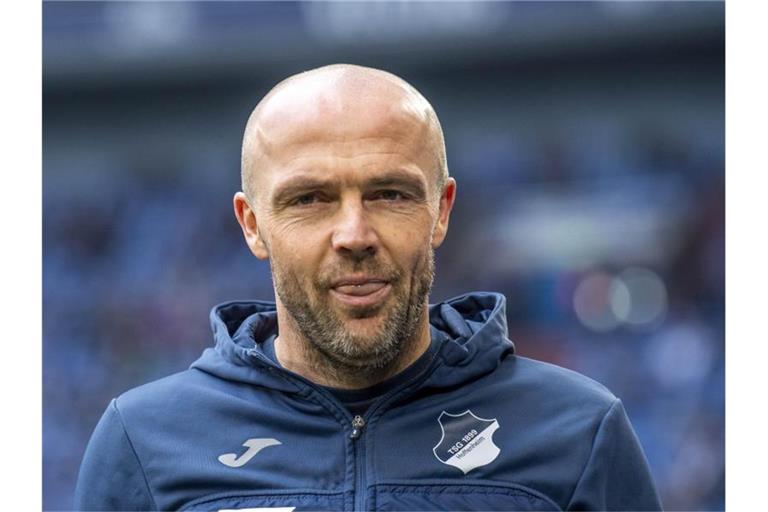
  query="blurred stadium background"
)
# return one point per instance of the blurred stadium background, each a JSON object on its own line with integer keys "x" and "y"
{"x": 588, "y": 144}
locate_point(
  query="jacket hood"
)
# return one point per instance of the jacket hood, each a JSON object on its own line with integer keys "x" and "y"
{"x": 473, "y": 328}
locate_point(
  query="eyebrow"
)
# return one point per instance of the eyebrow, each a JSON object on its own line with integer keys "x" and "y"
{"x": 298, "y": 184}
{"x": 394, "y": 178}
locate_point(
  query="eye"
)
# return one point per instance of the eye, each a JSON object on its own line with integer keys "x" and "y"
{"x": 389, "y": 195}
{"x": 306, "y": 199}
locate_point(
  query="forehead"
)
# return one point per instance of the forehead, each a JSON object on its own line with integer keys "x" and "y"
{"x": 342, "y": 119}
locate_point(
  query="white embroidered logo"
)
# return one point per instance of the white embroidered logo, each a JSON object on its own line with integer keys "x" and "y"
{"x": 254, "y": 447}
{"x": 466, "y": 442}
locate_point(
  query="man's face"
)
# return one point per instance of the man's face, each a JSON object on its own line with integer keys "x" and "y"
{"x": 347, "y": 211}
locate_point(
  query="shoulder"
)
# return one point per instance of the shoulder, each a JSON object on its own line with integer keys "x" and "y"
{"x": 553, "y": 378}
{"x": 170, "y": 395}
{"x": 551, "y": 388}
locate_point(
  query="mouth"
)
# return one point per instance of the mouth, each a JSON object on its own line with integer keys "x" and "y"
{"x": 361, "y": 292}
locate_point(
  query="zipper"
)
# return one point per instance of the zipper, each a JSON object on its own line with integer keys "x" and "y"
{"x": 358, "y": 422}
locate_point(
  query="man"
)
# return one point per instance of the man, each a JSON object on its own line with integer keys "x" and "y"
{"x": 350, "y": 392}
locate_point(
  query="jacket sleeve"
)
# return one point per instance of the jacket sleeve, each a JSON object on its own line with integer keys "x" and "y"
{"x": 617, "y": 476}
{"x": 111, "y": 476}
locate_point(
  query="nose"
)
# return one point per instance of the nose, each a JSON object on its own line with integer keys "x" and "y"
{"x": 353, "y": 234}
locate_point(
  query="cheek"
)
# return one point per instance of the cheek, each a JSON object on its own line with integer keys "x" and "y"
{"x": 299, "y": 255}
{"x": 409, "y": 245}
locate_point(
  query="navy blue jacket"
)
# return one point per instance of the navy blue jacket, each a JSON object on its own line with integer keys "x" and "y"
{"x": 479, "y": 428}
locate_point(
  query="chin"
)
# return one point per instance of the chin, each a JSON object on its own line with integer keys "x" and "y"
{"x": 367, "y": 363}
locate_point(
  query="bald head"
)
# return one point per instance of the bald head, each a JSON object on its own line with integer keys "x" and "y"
{"x": 340, "y": 102}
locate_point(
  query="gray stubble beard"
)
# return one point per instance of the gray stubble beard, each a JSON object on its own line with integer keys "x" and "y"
{"x": 342, "y": 356}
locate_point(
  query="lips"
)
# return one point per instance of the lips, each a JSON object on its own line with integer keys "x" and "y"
{"x": 360, "y": 291}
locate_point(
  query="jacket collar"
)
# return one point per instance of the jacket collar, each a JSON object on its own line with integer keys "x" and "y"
{"x": 475, "y": 326}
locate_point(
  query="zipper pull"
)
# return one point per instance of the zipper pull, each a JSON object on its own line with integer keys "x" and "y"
{"x": 357, "y": 427}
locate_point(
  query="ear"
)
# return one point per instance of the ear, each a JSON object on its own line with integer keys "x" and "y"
{"x": 446, "y": 204}
{"x": 246, "y": 217}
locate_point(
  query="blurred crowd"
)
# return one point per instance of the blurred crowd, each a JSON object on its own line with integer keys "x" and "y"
{"x": 596, "y": 206}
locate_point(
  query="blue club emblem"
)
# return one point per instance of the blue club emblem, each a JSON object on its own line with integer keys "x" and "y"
{"x": 467, "y": 441}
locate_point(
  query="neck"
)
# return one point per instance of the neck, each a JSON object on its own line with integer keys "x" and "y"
{"x": 301, "y": 357}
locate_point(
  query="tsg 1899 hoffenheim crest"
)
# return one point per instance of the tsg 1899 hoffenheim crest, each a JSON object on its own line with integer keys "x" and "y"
{"x": 467, "y": 441}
